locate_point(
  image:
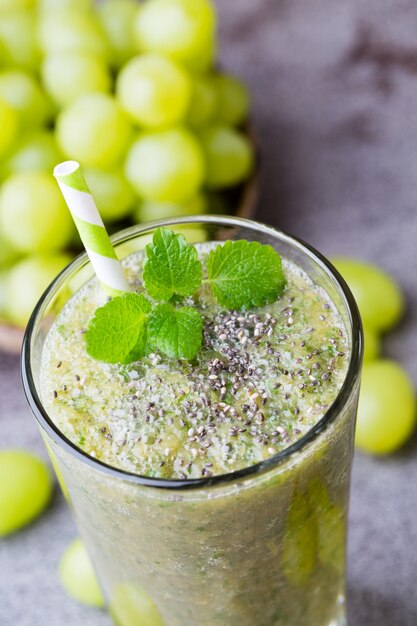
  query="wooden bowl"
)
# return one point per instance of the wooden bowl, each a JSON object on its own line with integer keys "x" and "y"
{"x": 11, "y": 336}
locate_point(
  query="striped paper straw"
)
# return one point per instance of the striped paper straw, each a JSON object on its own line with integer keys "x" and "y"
{"x": 91, "y": 228}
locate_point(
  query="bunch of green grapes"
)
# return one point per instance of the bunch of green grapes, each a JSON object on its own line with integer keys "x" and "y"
{"x": 387, "y": 402}
{"x": 130, "y": 91}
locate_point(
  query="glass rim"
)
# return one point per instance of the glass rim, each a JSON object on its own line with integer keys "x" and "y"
{"x": 261, "y": 467}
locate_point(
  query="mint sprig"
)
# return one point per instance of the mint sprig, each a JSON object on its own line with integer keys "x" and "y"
{"x": 241, "y": 275}
{"x": 244, "y": 275}
{"x": 172, "y": 266}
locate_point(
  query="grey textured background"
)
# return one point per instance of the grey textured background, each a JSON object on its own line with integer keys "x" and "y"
{"x": 335, "y": 104}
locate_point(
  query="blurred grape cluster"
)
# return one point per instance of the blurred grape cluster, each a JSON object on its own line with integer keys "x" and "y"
{"x": 130, "y": 91}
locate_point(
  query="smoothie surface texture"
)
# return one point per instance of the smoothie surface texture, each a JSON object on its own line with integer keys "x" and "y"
{"x": 262, "y": 379}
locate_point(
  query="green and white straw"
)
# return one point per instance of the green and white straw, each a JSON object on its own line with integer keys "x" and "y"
{"x": 91, "y": 228}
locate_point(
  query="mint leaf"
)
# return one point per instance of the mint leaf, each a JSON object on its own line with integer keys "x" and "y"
{"x": 178, "y": 333}
{"x": 172, "y": 266}
{"x": 244, "y": 275}
{"x": 118, "y": 331}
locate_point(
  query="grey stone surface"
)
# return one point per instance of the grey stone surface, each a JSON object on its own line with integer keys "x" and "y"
{"x": 335, "y": 105}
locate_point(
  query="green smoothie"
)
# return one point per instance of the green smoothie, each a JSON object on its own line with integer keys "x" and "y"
{"x": 262, "y": 379}
{"x": 253, "y": 542}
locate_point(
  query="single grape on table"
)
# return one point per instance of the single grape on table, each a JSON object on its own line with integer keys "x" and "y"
{"x": 131, "y": 605}
{"x": 380, "y": 301}
{"x": 387, "y": 408}
{"x": 78, "y": 576}
{"x": 25, "y": 489}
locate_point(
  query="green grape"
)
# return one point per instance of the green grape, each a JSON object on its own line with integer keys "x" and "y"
{"x": 372, "y": 345}
{"x": 203, "y": 103}
{"x": 166, "y": 166}
{"x": 67, "y": 75}
{"x": 3, "y": 54}
{"x": 71, "y": 30}
{"x": 78, "y": 576}
{"x": 203, "y": 58}
{"x": 33, "y": 214}
{"x": 387, "y": 408}
{"x": 113, "y": 194}
{"x": 154, "y": 91}
{"x": 36, "y": 151}
{"x": 8, "y": 254}
{"x": 23, "y": 93}
{"x": 25, "y": 489}
{"x": 59, "y": 5}
{"x": 9, "y": 5}
{"x": 233, "y": 100}
{"x": 229, "y": 156}
{"x": 131, "y": 605}
{"x": 380, "y": 301}
{"x": 117, "y": 18}
{"x": 9, "y": 125}
{"x": 181, "y": 29}
{"x": 17, "y": 33}
{"x": 26, "y": 282}
{"x": 149, "y": 210}
{"x": 193, "y": 234}
{"x": 94, "y": 130}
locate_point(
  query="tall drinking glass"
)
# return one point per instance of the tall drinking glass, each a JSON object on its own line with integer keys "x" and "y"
{"x": 263, "y": 546}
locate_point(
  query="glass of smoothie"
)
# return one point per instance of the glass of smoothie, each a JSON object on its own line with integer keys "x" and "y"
{"x": 212, "y": 492}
